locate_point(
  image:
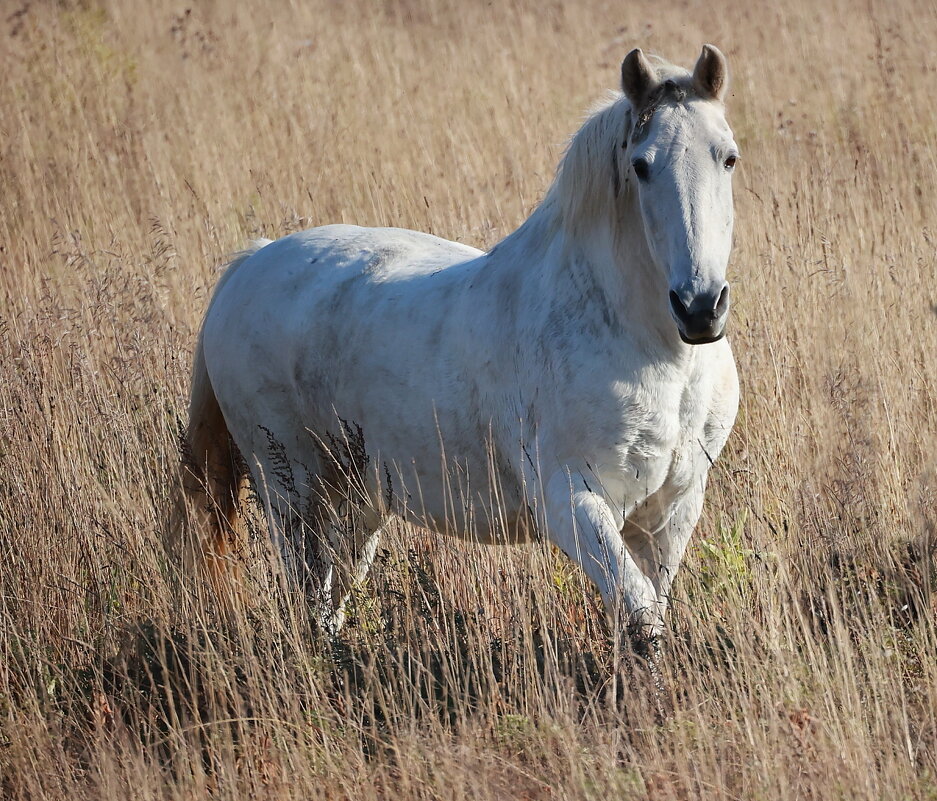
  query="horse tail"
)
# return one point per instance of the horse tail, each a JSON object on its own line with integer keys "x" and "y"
{"x": 205, "y": 532}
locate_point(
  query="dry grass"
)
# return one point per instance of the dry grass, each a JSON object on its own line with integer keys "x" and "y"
{"x": 142, "y": 142}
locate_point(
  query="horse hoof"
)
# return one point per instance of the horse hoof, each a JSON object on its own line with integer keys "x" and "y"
{"x": 645, "y": 640}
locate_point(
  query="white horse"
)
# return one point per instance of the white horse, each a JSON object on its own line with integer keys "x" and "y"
{"x": 571, "y": 383}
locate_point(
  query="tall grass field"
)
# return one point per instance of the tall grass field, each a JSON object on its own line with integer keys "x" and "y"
{"x": 142, "y": 143}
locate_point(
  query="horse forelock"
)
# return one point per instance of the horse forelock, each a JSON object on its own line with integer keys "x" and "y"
{"x": 675, "y": 87}
{"x": 589, "y": 179}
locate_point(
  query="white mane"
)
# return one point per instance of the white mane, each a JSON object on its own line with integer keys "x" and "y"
{"x": 585, "y": 184}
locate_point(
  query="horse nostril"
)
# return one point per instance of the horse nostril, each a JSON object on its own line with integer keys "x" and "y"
{"x": 677, "y": 305}
{"x": 722, "y": 305}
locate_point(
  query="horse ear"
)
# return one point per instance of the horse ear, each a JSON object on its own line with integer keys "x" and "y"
{"x": 637, "y": 77}
{"x": 711, "y": 74}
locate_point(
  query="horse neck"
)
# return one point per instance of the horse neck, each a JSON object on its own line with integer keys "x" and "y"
{"x": 609, "y": 255}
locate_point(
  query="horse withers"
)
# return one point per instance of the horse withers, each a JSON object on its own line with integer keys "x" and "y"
{"x": 571, "y": 383}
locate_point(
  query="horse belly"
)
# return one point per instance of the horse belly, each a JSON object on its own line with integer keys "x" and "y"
{"x": 435, "y": 472}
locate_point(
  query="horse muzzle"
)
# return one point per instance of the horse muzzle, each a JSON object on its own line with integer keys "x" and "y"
{"x": 701, "y": 318}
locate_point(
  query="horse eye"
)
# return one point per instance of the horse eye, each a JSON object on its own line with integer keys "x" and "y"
{"x": 730, "y": 162}
{"x": 641, "y": 169}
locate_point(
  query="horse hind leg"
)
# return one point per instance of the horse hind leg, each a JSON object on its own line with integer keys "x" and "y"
{"x": 351, "y": 559}
{"x": 330, "y": 545}
{"x": 321, "y": 516}
{"x": 330, "y": 548}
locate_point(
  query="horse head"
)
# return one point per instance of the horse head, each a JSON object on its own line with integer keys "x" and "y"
{"x": 682, "y": 154}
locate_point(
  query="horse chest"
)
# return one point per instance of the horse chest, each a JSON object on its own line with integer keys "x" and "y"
{"x": 651, "y": 441}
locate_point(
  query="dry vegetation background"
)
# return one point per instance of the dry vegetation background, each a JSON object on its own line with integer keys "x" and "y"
{"x": 141, "y": 142}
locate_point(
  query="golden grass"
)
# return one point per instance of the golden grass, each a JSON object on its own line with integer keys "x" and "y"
{"x": 141, "y": 143}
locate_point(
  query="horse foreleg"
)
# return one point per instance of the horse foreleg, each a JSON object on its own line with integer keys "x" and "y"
{"x": 674, "y": 536}
{"x": 581, "y": 523}
{"x": 657, "y": 537}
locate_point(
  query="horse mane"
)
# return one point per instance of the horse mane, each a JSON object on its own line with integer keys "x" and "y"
{"x": 591, "y": 175}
